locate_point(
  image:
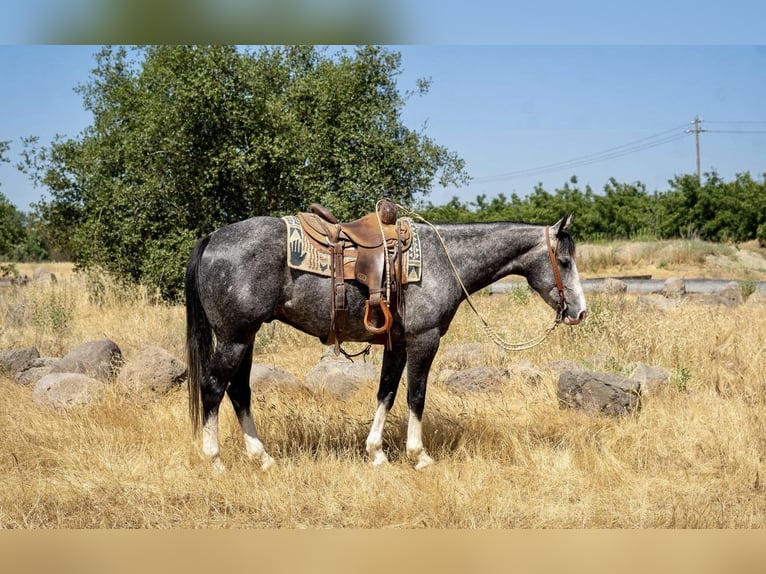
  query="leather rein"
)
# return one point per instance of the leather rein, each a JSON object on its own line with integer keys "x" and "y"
{"x": 562, "y": 305}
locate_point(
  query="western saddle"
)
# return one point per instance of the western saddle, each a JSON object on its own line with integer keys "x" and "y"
{"x": 363, "y": 250}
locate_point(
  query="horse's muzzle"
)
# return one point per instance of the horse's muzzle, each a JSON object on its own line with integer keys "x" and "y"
{"x": 577, "y": 320}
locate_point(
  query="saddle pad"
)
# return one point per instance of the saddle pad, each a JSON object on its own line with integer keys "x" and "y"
{"x": 303, "y": 255}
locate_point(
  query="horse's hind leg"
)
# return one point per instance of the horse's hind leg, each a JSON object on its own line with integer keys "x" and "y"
{"x": 390, "y": 375}
{"x": 223, "y": 365}
{"x": 239, "y": 394}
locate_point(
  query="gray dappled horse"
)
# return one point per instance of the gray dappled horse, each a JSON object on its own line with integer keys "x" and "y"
{"x": 238, "y": 278}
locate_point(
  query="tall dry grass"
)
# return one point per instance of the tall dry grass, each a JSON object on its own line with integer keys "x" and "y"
{"x": 692, "y": 457}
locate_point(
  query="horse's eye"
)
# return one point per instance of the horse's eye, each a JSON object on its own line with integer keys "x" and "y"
{"x": 566, "y": 263}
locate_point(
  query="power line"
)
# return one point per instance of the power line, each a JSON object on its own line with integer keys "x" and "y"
{"x": 736, "y": 131}
{"x": 634, "y": 146}
{"x": 737, "y": 122}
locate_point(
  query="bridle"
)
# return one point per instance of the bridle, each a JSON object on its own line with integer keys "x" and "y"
{"x": 562, "y": 305}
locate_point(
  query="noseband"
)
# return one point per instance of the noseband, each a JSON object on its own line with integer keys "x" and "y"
{"x": 562, "y": 306}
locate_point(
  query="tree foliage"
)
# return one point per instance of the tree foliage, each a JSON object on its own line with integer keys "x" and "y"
{"x": 187, "y": 139}
{"x": 713, "y": 209}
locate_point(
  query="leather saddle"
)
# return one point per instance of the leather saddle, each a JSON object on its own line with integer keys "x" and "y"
{"x": 364, "y": 250}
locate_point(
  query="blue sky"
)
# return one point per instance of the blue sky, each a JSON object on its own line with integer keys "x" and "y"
{"x": 503, "y": 108}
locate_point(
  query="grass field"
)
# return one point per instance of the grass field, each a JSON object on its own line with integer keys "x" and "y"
{"x": 692, "y": 457}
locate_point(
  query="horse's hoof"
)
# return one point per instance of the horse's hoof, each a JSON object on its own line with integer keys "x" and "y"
{"x": 267, "y": 462}
{"x": 424, "y": 461}
{"x": 218, "y": 467}
{"x": 380, "y": 459}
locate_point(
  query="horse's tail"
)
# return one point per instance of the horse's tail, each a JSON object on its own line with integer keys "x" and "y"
{"x": 199, "y": 335}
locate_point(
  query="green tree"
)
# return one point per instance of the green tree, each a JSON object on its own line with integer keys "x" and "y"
{"x": 187, "y": 139}
{"x": 11, "y": 219}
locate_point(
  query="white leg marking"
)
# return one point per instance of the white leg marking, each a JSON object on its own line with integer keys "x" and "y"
{"x": 210, "y": 447}
{"x": 375, "y": 438}
{"x": 253, "y": 445}
{"x": 415, "y": 449}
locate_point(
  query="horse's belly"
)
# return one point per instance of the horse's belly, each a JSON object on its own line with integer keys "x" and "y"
{"x": 308, "y": 309}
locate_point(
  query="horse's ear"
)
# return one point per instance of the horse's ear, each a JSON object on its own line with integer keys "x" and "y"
{"x": 562, "y": 224}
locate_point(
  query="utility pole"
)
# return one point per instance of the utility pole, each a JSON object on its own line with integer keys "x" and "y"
{"x": 697, "y": 130}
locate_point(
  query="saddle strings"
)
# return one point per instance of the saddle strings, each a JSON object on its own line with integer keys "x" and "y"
{"x": 490, "y": 332}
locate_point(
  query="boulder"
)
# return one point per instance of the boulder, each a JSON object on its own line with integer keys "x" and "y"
{"x": 100, "y": 359}
{"x": 266, "y": 378}
{"x": 339, "y": 376}
{"x": 67, "y": 390}
{"x": 650, "y": 379}
{"x": 477, "y": 380}
{"x": 463, "y": 356}
{"x": 35, "y": 370}
{"x": 674, "y": 288}
{"x": 153, "y": 369}
{"x": 14, "y": 360}
{"x": 594, "y": 392}
{"x": 730, "y": 294}
{"x": 613, "y": 286}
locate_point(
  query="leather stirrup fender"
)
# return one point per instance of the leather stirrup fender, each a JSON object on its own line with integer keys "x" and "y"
{"x": 387, "y": 318}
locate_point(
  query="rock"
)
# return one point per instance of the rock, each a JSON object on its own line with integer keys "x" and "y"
{"x": 339, "y": 376}
{"x": 152, "y": 369}
{"x": 650, "y": 379}
{"x": 674, "y": 288}
{"x": 603, "y": 393}
{"x": 14, "y": 360}
{"x": 730, "y": 294}
{"x": 42, "y": 276}
{"x": 562, "y": 365}
{"x": 35, "y": 370}
{"x": 67, "y": 390}
{"x": 612, "y": 286}
{"x": 266, "y": 378}
{"x": 477, "y": 380}
{"x": 100, "y": 359}
{"x": 659, "y": 301}
{"x": 464, "y": 356}
{"x": 525, "y": 372}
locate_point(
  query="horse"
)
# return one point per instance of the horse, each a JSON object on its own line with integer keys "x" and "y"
{"x": 238, "y": 278}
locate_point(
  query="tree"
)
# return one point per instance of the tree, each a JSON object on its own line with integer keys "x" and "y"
{"x": 187, "y": 139}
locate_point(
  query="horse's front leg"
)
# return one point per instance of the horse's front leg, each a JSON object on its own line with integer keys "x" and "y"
{"x": 422, "y": 351}
{"x": 390, "y": 375}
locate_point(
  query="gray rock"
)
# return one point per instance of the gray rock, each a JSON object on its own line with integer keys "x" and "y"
{"x": 674, "y": 288}
{"x": 153, "y": 369}
{"x": 67, "y": 390}
{"x": 339, "y": 376}
{"x": 35, "y": 370}
{"x": 659, "y": 301}
{"x": 100, "y": 359}
{"x": 730, "y": 294}
{"x": 603, "y": 393}
{"x": 463, "y": 356}
{"x": 14, "y": 360}
{"x": 650, "y": 379}
{"x": 477, "y": 380}
{"x": 266, "y": 378}
{"x": 613, "y": 286}
{"x": 562, "y": 365}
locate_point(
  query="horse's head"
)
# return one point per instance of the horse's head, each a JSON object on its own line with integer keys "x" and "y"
{"x": 553, "y": 273}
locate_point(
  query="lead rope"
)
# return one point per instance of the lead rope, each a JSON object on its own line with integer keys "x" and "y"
{"x": 491, "y": 333}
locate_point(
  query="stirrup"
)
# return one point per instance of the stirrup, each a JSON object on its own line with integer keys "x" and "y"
{"x": 387, "y": 318}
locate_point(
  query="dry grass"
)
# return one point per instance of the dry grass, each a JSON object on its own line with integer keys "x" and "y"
{"x": 691, "y": 458}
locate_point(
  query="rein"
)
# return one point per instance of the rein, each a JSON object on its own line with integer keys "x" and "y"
{"x": 491, "y": 333}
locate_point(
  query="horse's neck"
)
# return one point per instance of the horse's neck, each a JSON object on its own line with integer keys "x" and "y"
{"x": 486, "y": 252}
